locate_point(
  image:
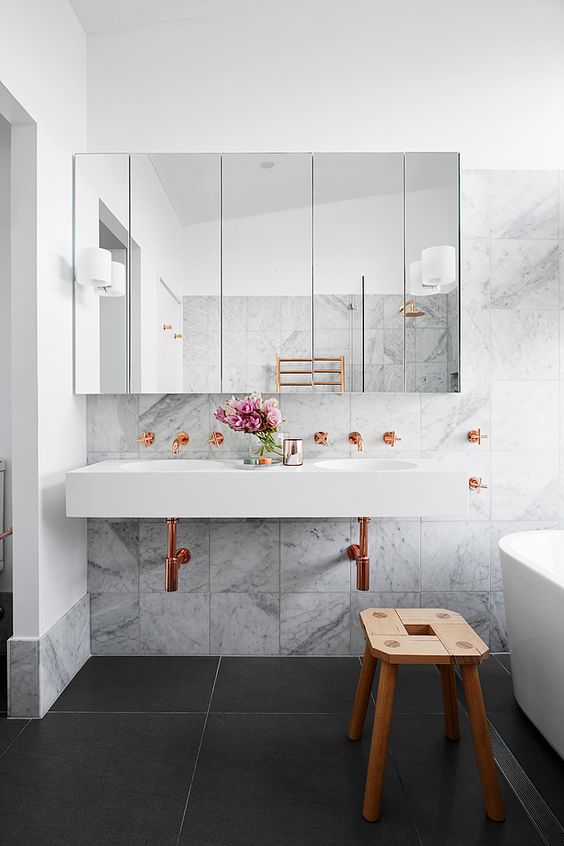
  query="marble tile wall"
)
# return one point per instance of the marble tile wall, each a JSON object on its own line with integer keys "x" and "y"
{"x": 266, "y": 587}
{"x": 257, "y": 329}
{"x": 39, "y": 669}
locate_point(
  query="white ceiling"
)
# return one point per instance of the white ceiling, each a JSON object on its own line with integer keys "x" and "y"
{"x": 106, "y": 15}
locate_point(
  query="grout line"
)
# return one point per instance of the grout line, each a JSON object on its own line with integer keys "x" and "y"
{"x": 9, "y": 746}
{"x": 198, "y": 753}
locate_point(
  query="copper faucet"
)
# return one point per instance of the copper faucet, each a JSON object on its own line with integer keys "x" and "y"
{"x": 180, "y": 440}
{"x": 356, "y": 439}
{"x": 475, "y": 484}
{"x": 146, "y": 438}
{"x": 174, "y": 557}
{"x": 215, "y": 439}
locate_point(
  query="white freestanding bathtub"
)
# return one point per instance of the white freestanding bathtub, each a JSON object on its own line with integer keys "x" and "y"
{"x": 532, "y": 565}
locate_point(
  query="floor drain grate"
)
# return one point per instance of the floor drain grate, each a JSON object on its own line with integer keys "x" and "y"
{"x": 547, "y": 825}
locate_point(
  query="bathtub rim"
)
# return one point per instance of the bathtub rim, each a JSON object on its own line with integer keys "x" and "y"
{"x": 505, "y": 544}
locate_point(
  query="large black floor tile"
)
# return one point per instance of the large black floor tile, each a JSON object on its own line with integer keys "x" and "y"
{"x": 9, "y": 730}
{"x": 159, "y": 683}
{"x": 497, "y": 686}
{"x": 111, "y": 779}
{"x": 288, "y": 780}
{"x": 542, "y": 764}
{"x": 418, "y": 690}
{"x": 285, "y": 685}
{"x": 443, "y": 788}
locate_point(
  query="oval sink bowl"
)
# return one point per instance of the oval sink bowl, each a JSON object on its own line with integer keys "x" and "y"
{"x": 365, "y": 465}
{"x": 168, "y": 465}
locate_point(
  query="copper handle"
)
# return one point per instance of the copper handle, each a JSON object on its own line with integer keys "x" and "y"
{"x": 321, "y": 438}
{"x": 390, "y": 438}
{"x": 177, "y": 335}
{"x": 475, "y": 484}
{"x": 355, "y": 438}
{"x": 215, "y": 439}
{"x": 167, "y": 326}
{"x": 6, "y": 534}
{"x": 475, "y": 436}
{"x": 146, "y": 438}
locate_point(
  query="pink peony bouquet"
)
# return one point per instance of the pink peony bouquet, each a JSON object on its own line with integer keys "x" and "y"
{"x": 255, "y": 416}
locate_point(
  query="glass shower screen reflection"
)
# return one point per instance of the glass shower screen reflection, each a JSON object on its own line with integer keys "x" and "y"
{"x": 266, "y": 272}
{"x": 358, "y": 268}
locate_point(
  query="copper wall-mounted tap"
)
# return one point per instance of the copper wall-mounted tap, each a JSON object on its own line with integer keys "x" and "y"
{"x": 215, "y": 439}
{"x": 390, "y": 438}
{"x": 146, "y": 438}
{"x": 321, "y": 438}
{"x": 355, "y": 438}
{"x": 180, "y": 440}
{"x": 475, "y": 436}
{"x": 475, "y": 484}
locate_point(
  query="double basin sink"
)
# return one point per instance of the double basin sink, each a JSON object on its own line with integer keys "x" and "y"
{"x": 347, "y": 487}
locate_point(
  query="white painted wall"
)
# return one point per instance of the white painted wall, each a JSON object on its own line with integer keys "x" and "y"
{"x": 43, "y": 66}
{"x": 485, "y": 78}
{"x": 5, "y": 348}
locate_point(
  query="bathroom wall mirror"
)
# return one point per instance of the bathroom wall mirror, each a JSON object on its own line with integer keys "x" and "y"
{"x": 301, "y": 272}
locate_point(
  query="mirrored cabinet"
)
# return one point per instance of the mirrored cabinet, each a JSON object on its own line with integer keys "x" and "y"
{"x": 234, "y": 272}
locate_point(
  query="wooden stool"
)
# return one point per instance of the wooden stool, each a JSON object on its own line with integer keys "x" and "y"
{"x": 422, "y": 636}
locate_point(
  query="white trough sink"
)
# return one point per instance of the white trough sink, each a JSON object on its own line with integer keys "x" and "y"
{"x": 332, "y": 488}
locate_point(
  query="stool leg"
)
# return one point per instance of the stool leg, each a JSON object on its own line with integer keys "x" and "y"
{"x": 379, "y": 743}
{"x": 482, "y": 742}
{"x": 450, "y": 702}
{"x": 362, "y": 695}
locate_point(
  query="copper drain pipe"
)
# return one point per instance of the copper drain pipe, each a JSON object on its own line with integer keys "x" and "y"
{"x": 174, "y": 557}
{"x": 359, "y": 552}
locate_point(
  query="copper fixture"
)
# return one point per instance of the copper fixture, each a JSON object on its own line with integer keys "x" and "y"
{"x": 177, "y": 335}
{"x": 390, "y": 438}
{"x": 475, "y": 484}
{"x": 167, "y": 326}
{"x": 359, "y": 552}
{"x": 411, "y": 310}
{"x": 215, "y": 439}
{"x": 146, "y": 438}
{"x": 315, "y": 370}
{"x": 180, "y": 440}
{"x": 475, "y": 436}
{"x": 355, "y": 438}
{"x": 321, "y": 438}
{"x": 6, "y": 534}
{"x": 174, "y": 557}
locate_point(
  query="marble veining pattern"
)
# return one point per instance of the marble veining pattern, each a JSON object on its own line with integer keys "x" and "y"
{"x": 300, "y": 598}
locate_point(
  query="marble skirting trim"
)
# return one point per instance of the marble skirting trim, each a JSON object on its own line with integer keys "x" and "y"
{"x": 39, "y": 669}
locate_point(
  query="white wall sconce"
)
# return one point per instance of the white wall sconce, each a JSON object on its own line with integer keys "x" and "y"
{"x": 416, "y": 287}
{"x": 93, "y": 267}
{"x": 116, "y": 288}
{"x": 438, "y": 268}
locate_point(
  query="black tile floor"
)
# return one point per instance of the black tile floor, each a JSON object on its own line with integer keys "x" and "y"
{"x": 244, "y": 751}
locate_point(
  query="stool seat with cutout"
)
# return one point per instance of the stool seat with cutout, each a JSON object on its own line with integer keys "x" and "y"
{"x": 422, "y": 636}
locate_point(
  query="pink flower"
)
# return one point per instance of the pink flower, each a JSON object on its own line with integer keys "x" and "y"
{"x": 270, "y": 404}
{"x": 253, "y": 423}
{"x": 220, "y": 415}
{"x": 245, "y": 407}
{"x": 274, "y": 418}
{"x": 236, "y": 422}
